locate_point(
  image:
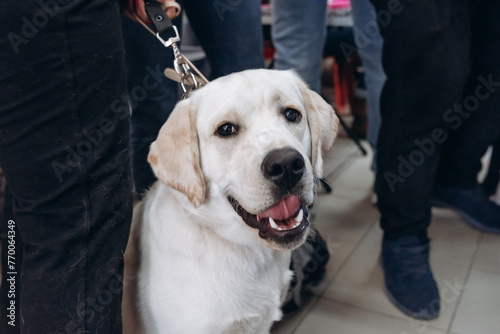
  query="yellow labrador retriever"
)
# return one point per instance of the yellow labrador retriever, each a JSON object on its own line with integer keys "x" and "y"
{"x": 211, "y": 241}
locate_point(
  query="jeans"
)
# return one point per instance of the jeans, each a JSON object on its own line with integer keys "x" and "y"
{"x": 298, "y": 35}
{"x": 369, "y": 43}
{"x": 231, "y": 37}
{"x": 64, "y": 148}
{"x": 440, "y": 104}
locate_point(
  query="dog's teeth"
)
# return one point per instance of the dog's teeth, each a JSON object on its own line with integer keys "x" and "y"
{"x": 273, "y": 224}
{"x": 297, "y": 221}
{"x": 299, "y": 217}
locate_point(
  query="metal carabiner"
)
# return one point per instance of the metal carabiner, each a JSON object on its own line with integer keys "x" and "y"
{"x": 172, "y": 40}
{"x": 187, "y": 77}
{"x": 182, "y": 66}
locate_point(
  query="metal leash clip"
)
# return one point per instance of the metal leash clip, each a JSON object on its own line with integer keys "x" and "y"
{"x": 182, "y": 71}
{"x": 188, "y": 80}
{"x": 172, "y": 40}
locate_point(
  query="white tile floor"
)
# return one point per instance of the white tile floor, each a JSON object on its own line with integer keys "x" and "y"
{"x": 352, "y": 300}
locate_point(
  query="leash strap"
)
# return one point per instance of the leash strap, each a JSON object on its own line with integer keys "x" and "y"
{"x": 158, "y": 16}
{"x": 166, "y": 32}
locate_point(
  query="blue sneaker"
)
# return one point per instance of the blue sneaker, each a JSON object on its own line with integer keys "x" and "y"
{"x": 408, "y": 277}
{"x": 472, "y": 204}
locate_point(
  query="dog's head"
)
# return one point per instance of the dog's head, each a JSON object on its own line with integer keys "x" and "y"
{"x": 253, "y": 140}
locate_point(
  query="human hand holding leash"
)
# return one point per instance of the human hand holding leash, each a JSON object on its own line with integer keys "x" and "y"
{"x": 135, "y": 9}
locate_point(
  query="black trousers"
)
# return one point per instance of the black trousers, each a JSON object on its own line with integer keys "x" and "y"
{"x": 440, "y": 105}
{"x": 64, "y": 148}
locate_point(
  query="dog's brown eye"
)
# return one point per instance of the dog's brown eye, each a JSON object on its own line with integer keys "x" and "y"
{"x": 226, "y": 129}
{"x": 292, "y": 115}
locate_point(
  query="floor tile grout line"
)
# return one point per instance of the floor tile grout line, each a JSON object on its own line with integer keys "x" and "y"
{"x": 487, "y": 271}
{"x": 480, "y": 268}
{"x": 466, "y": 281}
{"x": 448, "y": 327}
{"x": 320, "y": 296}
{"x": 335, "y": 174}
{"x": 346, "y": 162}
{"x": 301, "y": 319}
{"x": 403, "y": 317}
{"x": 348, "y": 257}
{"x": 443, "y": 260}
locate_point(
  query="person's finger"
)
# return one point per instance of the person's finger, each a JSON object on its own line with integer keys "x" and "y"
{"x": 173, "y": 9}
{"x": 140, "y": 11}
{"x": 136, "y": 9}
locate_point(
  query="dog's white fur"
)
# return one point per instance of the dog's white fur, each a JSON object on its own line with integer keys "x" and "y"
{"x": 199, "y": 267}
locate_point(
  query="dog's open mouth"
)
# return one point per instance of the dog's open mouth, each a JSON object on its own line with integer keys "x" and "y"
{"x": 284, "y": 222}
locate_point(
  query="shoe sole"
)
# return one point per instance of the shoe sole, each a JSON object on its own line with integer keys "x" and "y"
{"x": 468, "y": 219}
{"x": 404, "y": 309}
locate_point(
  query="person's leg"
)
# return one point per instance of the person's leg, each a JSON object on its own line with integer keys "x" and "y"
{"x": 152, "y": 95}
{"x": 475, "y": 124}
{"x": 64, "y": 148}
{"x": 230, "y": 34}
{"x": 425, "y": 57}
{"x": 369, "y": 43}
{"x": 426, "y": 53}
{"x": 298, "y": 34}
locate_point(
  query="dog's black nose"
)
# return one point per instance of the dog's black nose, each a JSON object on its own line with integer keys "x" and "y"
{"x": 284, "y": 167}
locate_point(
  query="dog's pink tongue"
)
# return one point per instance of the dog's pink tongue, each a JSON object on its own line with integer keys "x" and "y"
{"x": 282, "y": 210}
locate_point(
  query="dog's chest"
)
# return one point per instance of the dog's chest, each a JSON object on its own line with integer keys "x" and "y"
{"x": 227, "y": 291}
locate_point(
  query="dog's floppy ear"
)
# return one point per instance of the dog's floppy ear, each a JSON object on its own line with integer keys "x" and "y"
{"x": 323, "y": 125}
{"x": 174, "y": 155}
